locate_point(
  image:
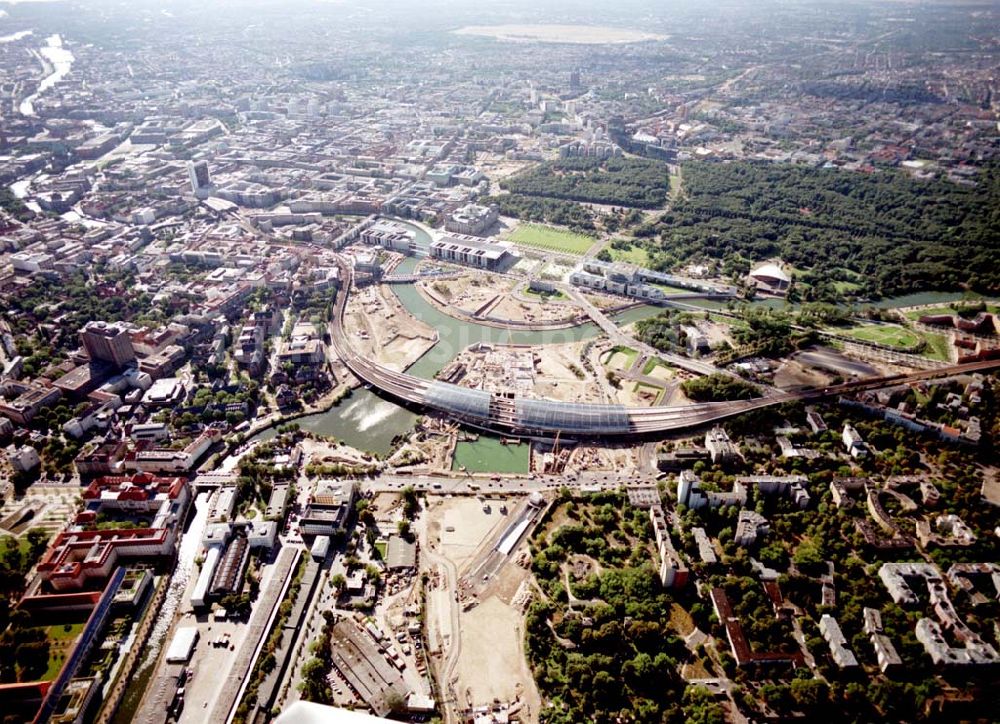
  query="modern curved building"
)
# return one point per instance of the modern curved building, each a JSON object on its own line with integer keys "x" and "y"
{"x": 508, "y": 413}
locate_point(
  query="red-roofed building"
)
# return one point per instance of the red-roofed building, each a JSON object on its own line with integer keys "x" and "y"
{"x": 78, "y": 558}
{"x": 142, "y": 492}
{"x": 738, "y": 644}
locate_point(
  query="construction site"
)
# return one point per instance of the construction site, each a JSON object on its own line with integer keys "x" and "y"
{"x": 476, "y": 562}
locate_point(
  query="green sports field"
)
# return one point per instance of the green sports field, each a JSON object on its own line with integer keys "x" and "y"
{"x": 551, "y": 239}
{"x": 889, "y": 335}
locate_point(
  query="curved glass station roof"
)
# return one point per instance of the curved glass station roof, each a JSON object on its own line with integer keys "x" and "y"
{"x": 531, "y": 414}
{"x": 572, "y": 417}
{"x": 459, "y": 400}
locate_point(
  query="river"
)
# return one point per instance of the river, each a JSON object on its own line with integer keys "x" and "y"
{"x": 367, "y": 422}
{"x": 61, "y": 61}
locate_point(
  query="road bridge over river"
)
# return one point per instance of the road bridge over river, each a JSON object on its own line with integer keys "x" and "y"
{"x": 510, "y": 414}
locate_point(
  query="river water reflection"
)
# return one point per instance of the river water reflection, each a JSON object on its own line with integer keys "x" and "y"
{"x": 367, "y": 422}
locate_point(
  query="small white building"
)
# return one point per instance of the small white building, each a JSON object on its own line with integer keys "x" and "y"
{"x": 320, "y": 547}
{"x": 200, "y": 592}
{"x": 182, "y": 645}
{"x": 854, "y": 443}
{"x": 262, "y": 533}
{"x": 24, "y": 458}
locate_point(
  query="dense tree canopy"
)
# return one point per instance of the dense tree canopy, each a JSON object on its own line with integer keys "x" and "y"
{"x": 719, "y": 387}
{"x": 635, "y": 182}
{"x": 616, "y": 657}
{"x": 884, "y": 231}
{"x": 551, "y": 211}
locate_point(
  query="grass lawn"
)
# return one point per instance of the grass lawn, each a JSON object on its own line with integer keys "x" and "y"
{"x": 937, "y": 347}
{"x": 642, "y": 387}
{"x": 22, "y": 544}
{"x": 676, "y": 182}
{"x": 381, "y": 546}
{"x": 61, "y": 638}
{"x": 620, "y": 358}
{"x": 846, "y": 287}
{"x": 64, "y": 632}
{"x": 672, "y": 290}
{"x": 849, "y": 285}
{"x": 889, "y": 335}
{"x": 728, "y": 321}
{"x": 915, "y": 314}
{"x": 636, "y": 255}
{"x": 651, "y": 364}
{"x": 551, "y": 239}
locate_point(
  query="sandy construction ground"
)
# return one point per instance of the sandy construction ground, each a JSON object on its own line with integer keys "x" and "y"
{"x": 495, "y": 297}
{"x": 793, "y": 374}
{"x": 586, "y": 457}
{"x": 490, "y": 661}
{"x": 620, "y": 361}
{"x": 639, "y": 394}
{"x": 492, "y": 664}
{"x": 498, "y": 167}
{"x": 325, "y": 451}
{"x": 469, "y": 292}
{"x": 520, "y": 307}
{"x": 471, "y": 526}
{"x": 379, "y": 327}
{"x": 604, "y": 302}
{"x": 555, "y": 380}
{"x": 554, "y": 271}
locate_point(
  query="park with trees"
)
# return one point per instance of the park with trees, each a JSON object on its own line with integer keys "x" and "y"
{"x": 847, "y": 234}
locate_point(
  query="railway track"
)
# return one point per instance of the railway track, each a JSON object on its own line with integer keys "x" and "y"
{"x": 640, "y": 420}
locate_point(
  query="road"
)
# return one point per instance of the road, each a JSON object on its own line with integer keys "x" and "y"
{"x": 619, "y": 337}
{"x": 505, "y": 414}
{"x": 467, "y": 484}
{"x": 451, "y": 639}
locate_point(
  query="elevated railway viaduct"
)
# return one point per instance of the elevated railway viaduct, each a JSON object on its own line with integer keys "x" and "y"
{"x": 513, "y": 415}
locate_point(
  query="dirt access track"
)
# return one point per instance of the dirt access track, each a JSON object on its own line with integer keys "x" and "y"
{"x": 490, "y": 661}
